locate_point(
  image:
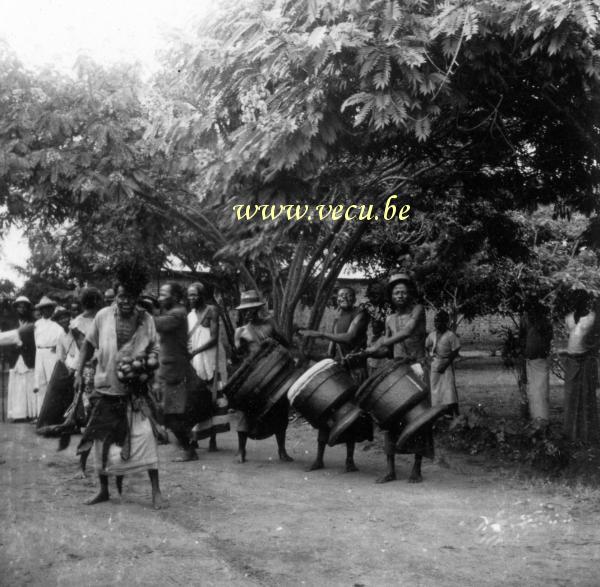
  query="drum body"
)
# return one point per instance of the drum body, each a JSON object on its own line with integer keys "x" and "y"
{"x": 321, "y": 390}
{"x": 59, "y": 396}
{"x": 262, "y": 380}
{"x": 391, "y": 392}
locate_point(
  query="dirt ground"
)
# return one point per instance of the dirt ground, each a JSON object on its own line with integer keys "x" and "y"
{"x": 270, "y": 523}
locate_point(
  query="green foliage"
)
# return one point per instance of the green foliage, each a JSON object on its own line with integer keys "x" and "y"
{"x": 542, "y": 448}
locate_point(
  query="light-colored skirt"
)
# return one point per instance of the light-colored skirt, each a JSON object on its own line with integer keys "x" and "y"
{"x": 144, "y": 450}
{"x": 22, "y": 402}
{"x": 538, "y": 388}
{"x": 443, "y": 386}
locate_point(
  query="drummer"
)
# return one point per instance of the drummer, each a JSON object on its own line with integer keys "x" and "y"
{"x": 349, "y": 335}
{"x": 258, "y": 328}
{"x": 405, "y": 334}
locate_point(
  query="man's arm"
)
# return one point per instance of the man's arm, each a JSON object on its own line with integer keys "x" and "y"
{"x": 376, "y": 350}
{"x": 405, "y": 332}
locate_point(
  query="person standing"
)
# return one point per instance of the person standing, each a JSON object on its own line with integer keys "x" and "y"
{"x": 581, "y": 372}
{"x": 248, "y": 338}
{"x": 46, "y": 333}
{"x": 535, "y": 333}
{"x": 120, "y": 424}
{"x": 109, "y": 297}
{"x": 405, "y": 334}
{"x": 208, "y": 359}
{"x": 67, "y": 349}
{"x": 349, "y": 336}
{"x": 443, "y": 347}
{"x": 21, "y": 378}
{"x": 175, "y": 376}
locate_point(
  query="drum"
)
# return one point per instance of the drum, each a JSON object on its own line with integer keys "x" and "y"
{"x": 59, "y": 396}
{"x": 262, "y": 380}
{"x": 321, "y": 390}
{"x": 390, "y": 392}
{"x": 349, "y": 422}
{"x": 417, "y": 418}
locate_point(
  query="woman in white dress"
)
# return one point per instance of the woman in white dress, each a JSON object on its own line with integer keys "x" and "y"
{"x": 47, "y": 333}
{"x": 21, "y": 398}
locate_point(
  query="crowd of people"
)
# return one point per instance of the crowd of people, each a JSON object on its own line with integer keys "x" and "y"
{"x": 140, "y": 366}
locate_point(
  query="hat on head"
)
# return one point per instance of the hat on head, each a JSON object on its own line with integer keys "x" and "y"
{"x": 250, "y": 299}
{"x": 22, "y": 300}
{"x": 396, "y": 278}
{"x": 60, "y": 311}
{"x": 44, "y": 302}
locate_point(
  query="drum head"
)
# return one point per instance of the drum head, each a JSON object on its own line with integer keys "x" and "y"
{"x": 296, "y": 388}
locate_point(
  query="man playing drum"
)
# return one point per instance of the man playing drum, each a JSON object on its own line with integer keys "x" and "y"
{"x": 405, "y": 334}
{"x": 349, "y": 336}
{"x": 248, "y": 338}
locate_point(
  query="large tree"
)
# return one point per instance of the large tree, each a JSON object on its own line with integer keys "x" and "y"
{"x": 314, "y": 101}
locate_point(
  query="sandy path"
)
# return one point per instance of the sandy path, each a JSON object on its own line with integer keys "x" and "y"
{"x": 267, "y": 523}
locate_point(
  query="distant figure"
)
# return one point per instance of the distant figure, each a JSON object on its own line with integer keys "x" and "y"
{"x": 46, "y": 333}
{"x": 21, "y": 380}
{"x": 581, "y": 372}
{"x": 443, "y": 347}
{"x": 74, "y": 308}
{"x": 109, "y": 297}
{"x": 535, "y": 333}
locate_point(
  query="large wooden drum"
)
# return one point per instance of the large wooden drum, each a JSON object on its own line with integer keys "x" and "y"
{"x": 321, "y": 390}
{"x": 262, "y": 380}
{"x": 417, "y": 419}
{"x": 391, "y": 392}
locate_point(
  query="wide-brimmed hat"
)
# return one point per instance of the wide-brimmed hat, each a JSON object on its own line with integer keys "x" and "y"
{"x": 60, "y": 311}
{"x": 44, "y": 302}
{"x": 250, "y": 299}
{"x": 396, "y": 278}
{"x": 23, "y": 300}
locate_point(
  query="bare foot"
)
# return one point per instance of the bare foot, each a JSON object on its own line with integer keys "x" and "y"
{"x": 351, "y": 467}
{"x": 190, "y": 455}
{"x": 285, "y": 457}
{"x": 387, "y": 478}
{"x": 415, "y": 478}
{"x": 102, "y": 496}
{"x": 316, "y": 466}
{"x": 157, "y": 500}
{"x": 241, "y": 457}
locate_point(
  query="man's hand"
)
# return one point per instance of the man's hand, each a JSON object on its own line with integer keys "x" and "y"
{"x": 309, "y": 333}
{"x": 78, "y": 382}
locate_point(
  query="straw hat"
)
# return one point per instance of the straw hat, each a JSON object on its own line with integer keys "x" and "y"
{"x": 22, "y": 300}
{"x": 250, "y": 299}
{"x": 396, "y": 278}
{"x": 45, "y": 301}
